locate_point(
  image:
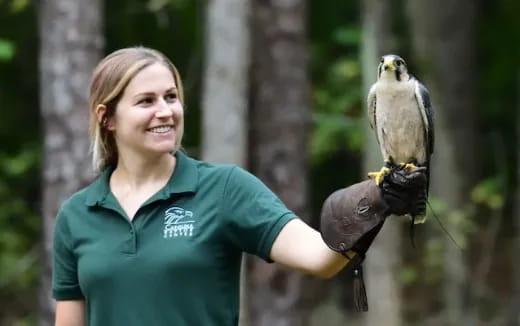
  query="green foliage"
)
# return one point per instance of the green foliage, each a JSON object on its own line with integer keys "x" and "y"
{"x": 19, "y": 163}
{"x": 488, "y": 193}
{"x": 408, "y": 275}
{"x": 19, "y": 5}
{"x": 19, "y": 229}
{"x": 348, "y": 35}
{"x": 336, "y": 103}
{"x": 334, "y": 132}
{"x": 25, "y": 321}
{"x": 19, "y": 220}
{"x": 7, "y": 50}
{"x": 498, "y": 41}
{"x": 487, "y": 199}
{"x": 336, "y": 137}
{"x": 158, "y": 5}
{"x": 433, "y": 260}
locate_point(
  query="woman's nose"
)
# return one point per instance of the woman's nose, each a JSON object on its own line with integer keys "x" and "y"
{"x": 163, "y": 110}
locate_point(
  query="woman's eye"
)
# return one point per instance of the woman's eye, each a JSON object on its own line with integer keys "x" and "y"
{"x": 146, "y": 101}
{"x": 171, "y": 97}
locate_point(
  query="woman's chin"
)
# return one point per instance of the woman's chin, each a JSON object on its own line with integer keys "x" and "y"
{"x": 162, "y": 148}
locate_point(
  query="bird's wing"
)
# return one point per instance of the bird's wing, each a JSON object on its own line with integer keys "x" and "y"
{"x": 371, "y": 103}
{"x": 423, "y": 99}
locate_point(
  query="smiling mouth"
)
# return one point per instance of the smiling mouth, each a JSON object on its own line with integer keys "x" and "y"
{"x": 160, "y": 130}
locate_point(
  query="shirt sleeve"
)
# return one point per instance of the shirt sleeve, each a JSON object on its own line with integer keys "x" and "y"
{"x": 254, "y": 213}
{"x": 65, "y": 285}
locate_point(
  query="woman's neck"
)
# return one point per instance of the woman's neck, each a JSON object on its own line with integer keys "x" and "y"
{"x": 135, "y": 171}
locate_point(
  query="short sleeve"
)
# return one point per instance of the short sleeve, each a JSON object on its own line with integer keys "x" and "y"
{"x": 254, "y": 213}
{"x": 65, "y": 285}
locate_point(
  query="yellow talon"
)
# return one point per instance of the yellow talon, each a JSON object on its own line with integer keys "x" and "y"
{"x": 378, "y": 175}
{"x": 408, "y": 165}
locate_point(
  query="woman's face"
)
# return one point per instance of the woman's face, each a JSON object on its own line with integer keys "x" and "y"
{"x": 149, "y": 116}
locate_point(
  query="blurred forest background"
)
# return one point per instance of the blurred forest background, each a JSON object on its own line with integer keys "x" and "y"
{"x": 279, "y": 87}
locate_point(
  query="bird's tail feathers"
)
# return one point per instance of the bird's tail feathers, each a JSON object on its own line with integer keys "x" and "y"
{"x": 419, "y": 219}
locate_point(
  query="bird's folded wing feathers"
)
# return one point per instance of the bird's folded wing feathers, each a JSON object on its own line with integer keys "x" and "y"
{"x": 371, "y": 101}
{"x": 423, "y": 99}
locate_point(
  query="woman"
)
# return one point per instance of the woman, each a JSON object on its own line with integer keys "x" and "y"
{"x": 157, "y": 238}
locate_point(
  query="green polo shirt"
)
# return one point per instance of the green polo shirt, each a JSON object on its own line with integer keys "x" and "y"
{"x": 178, "y": 261}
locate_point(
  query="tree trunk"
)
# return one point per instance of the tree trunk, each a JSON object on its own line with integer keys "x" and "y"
{"x": 71, "y": 42}
{"x": 225, "y": 97}
{"x": 226, "y": 81}
{"x": 444, "y": 40}
{"x": 382, "y": 264}
{"x": 280, "y": 117}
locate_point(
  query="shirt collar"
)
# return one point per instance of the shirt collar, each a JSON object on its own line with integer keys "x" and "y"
{"x": 99, "y": 189}
{"x": 184, "y": 179}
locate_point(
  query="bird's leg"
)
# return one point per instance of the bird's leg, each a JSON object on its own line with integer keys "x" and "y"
{"x": 379, "y": 175}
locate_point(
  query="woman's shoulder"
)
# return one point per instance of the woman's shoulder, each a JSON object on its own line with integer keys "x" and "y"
{"x": 214, "y": 168}
{"x": 230, "y": 172}
{"x": 76, "y": 198}
{"x": 217, "y": 173}
{"x": 84, "y": 197}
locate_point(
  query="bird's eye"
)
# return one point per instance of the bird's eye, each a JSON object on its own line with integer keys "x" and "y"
{"x": 398, "y": 63}
{"x": 382, "y": 59}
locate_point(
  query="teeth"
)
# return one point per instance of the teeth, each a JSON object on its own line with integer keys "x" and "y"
{"x": 161, "y": 129}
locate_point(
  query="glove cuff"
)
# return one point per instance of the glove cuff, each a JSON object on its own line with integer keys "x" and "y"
{"x": 350, "y": 213}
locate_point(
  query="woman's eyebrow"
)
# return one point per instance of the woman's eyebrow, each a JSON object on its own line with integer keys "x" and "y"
{"x": 150, "y": 93}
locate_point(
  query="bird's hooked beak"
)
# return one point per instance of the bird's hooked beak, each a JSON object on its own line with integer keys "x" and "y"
{"x": 388, "y": 63}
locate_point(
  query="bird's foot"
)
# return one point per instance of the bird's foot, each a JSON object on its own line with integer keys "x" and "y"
{"x": 378, "y": 176}
{"x": 407, "y": 166}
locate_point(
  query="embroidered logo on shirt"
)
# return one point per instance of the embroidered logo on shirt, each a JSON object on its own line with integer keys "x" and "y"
{"x": 178, "y": 222}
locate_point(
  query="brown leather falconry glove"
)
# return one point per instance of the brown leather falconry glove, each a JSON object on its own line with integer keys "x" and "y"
{"x": 352, "y": 217}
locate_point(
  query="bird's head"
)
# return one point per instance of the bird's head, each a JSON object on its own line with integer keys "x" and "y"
{"x": 392, "y": 66}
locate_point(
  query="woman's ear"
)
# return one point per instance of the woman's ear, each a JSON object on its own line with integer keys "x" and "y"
{"x": 102, "y": 118}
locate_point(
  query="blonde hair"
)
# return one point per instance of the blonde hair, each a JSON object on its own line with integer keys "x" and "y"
{"x": 109, "y": 80}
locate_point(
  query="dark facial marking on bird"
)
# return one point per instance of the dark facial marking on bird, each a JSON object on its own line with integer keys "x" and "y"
{"x": 392, "y": 62}
{"x": 380, "y": 67}
{"x": 398, "y": 74}
{"x": 396, "y": 58}
{"x": 400, "y": 66}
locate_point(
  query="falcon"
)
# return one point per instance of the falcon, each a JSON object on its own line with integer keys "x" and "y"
{"x": 401, "y": 115}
